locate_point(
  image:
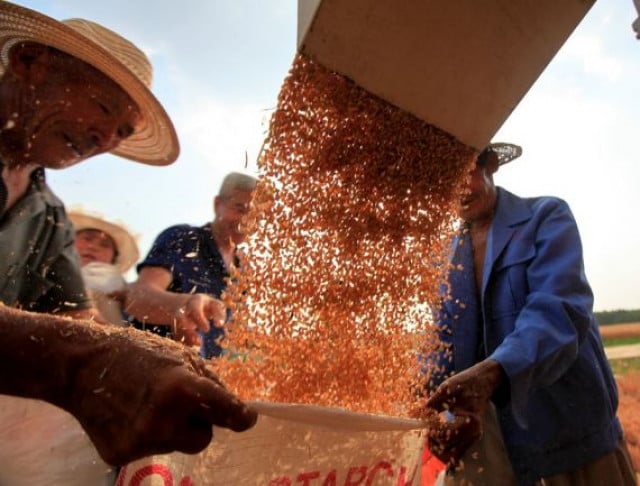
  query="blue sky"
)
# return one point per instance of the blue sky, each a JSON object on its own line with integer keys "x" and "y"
{"x": 218, "y": 67}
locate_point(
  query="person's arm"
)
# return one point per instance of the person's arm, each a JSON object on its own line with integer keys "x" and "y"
{"x": 552, "y": 321}
{"x": 463, "y": 399}
{"x": 148, "y": 300}
{"x": 134, "y": 393}
{"x": 557, "y": 311}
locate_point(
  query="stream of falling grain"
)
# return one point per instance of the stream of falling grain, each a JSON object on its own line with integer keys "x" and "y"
{"x": 348, "y": 241}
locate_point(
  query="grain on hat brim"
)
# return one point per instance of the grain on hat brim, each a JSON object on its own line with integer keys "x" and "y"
{"x": 154, "y": 141}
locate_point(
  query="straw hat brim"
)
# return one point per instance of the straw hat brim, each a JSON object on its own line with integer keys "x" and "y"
{"x": 155, "y": 141}
{"x": 128, "y": 252}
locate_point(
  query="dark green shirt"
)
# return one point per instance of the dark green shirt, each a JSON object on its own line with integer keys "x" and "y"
{"x": 39, "y": 266}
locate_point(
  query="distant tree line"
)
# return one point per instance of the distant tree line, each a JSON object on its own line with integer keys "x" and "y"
{"x": 618, "y": 316}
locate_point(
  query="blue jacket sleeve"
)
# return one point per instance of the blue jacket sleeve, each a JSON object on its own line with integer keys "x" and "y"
{"x": 552, "y": 303}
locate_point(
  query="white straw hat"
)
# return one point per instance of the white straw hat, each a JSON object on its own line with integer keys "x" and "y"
{"x": 155, "y": 141}
{"x": 126, "y": 244}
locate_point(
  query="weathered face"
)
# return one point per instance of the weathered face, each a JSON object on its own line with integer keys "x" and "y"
{"x": 479, "y": 200}
{"x": 230, "y": 209}
{"x": 94, "y": 245}
{"x": 63, "y": 110}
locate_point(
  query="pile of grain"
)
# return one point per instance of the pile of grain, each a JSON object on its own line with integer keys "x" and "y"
{"x": 347, "y": 247}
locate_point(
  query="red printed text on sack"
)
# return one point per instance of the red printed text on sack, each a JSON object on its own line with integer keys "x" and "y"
{"x": 355, "y": 476}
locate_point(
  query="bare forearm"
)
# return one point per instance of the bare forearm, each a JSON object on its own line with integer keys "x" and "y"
{"x": 134, "y": 393}
{"x": 148, "y": 303}
{"x": 40, "y": 354}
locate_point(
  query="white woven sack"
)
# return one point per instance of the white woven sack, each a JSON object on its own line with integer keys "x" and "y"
{"x": 295, "y": 445}
{"x": 41, "y": 444}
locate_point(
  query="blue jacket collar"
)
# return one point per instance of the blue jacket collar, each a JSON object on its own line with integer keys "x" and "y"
{"x": 511, "y": 210}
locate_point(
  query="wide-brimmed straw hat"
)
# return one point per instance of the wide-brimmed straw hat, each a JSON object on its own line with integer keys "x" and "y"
{"x": 506, "y": 152}
{"x": 126, "y": 244}
{"x": 154, "y": 141}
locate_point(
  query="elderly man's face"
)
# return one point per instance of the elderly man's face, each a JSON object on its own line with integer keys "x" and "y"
{"x": 68, "y": 110}
{"x": 479, "y": 200}
{"x": 229, "y": 210}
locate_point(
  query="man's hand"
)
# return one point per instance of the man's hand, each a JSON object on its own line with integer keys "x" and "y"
{"x": 460, "y": 403}
{"x": 449, "y": 436}
{"x": 133, "y": 392}
{"x": 196, "y": 314}
{"x": 137, "y": 395}
{"x": 148, "y": 300}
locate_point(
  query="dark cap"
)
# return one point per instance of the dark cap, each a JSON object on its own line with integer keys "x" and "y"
{"x": 506, "y": 152}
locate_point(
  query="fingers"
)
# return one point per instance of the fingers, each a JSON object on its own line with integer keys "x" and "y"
{"x": 220, "y": 407}
{"x": 202, "y": 309}
{"x": 457, "y": 393}
{"x": 187, "y": 439}
{"x": 193, "y": 438}
{"x": 190, "y": 337}
{"x": 188, "y": 320}
{"x": 181, "y": 419}
{"x": 444, "y": 397}
{"x": 186, "y": 332}
{"x": 215, "y": 310}
{"x": 201, "y": 322}
{"x": 192, "y": 315}
{"x": 450, "y": 439}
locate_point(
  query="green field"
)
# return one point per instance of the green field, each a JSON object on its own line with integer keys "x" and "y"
{"x": 621, "y": 341}
{"x": 622, "y": 366}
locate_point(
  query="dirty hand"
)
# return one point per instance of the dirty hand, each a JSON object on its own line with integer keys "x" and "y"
{"x": 449, "y": 436}
{"x": 136, "y": 394}
{"x": 460, "y": 403}
{"x": 194, "y": 315}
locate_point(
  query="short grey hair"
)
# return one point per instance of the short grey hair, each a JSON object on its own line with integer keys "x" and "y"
{"x": 237, "y": 180}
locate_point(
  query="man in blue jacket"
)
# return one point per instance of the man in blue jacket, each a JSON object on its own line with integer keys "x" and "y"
{"x": 522, "y": 338}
